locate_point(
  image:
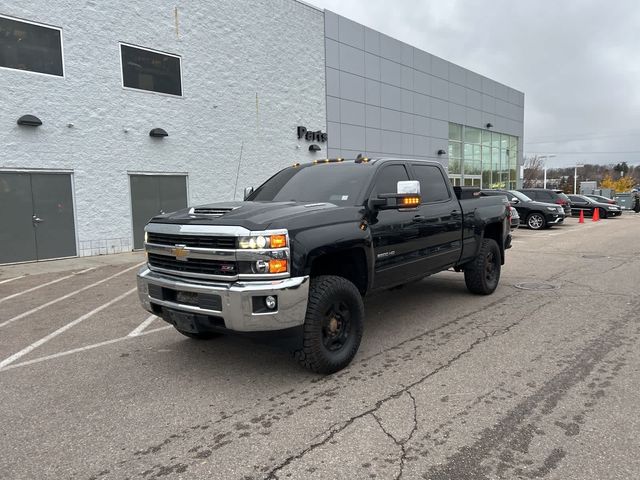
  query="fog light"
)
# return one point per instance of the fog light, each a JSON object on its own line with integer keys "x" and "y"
{"x": 262, "y": 266}
{"x": 270, "y": 302}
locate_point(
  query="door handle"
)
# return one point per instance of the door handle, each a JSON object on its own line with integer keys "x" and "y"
{"x": 455, "y": 212}
{"x": 418, "y": 218}
{"x": 36, "y": 219}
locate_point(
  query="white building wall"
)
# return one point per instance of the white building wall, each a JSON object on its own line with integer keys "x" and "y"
{"x": 252, "y": 71}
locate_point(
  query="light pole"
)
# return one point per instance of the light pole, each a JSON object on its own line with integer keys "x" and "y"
{"x": 551, "y": 155}
{"x": 575, "y": 178}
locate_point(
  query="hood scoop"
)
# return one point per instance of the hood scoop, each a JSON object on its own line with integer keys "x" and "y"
{"x": 210, "y": 211}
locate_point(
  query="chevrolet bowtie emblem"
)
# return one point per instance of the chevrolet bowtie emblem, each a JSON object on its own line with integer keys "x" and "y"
{"x": 180, "y": 252}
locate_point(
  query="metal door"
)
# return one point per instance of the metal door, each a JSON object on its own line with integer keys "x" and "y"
{"x": 17, "y": 235}
{"x": 36, "y": 213}
{"x": 152, "y": 195}
{"x": 53, "y": 218}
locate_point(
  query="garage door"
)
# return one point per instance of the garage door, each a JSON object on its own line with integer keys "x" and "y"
{"x": 152, "y": 195}
{"x": 36, "y": 214}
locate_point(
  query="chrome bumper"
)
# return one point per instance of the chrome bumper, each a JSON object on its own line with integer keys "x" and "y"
{"x": 237, "y": 305}
{"x": 556, "y": 220}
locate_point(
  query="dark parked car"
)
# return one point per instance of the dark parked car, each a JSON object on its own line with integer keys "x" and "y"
{"x": 589, "y": 205}
{"x": 601, "y": 199}
{"x": 536, "y": 215}
{"x": 549, "y": 196}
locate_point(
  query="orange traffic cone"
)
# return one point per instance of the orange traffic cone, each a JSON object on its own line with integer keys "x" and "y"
{"x": 596, "y": 215}
{"x": 581, "y": 217}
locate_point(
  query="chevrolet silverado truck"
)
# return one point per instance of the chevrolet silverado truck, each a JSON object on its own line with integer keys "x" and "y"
{"x": 298, "y": 255}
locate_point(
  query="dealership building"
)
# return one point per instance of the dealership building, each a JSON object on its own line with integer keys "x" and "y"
{"x": 111, "y": 113}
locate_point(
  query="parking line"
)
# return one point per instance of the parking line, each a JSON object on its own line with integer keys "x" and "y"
{"x": 45, "y": 284}
{"x": 138, "y": 330}
{"x": 64, "y": 297}
{"x": 62, "y": 329}
{"x": 12, "y": 279}
{"x": 80, "y": 349}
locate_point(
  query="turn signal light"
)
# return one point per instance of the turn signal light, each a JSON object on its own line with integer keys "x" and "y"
{"x": 278, "y": 241}
{"x": 411, "y": 201}
{"x": 277, "y": 266}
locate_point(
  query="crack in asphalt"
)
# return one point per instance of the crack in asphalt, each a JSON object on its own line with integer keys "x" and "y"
{"x": 331, "y": 434}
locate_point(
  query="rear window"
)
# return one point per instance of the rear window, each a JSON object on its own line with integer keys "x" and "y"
{"x": 433, "y": 186}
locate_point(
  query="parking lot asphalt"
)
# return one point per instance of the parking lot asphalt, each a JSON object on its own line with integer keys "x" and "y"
{"x": 538, "y": 380}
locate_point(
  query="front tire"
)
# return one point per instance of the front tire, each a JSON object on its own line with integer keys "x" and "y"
{"x": 483, "y": 274}
{"x": 333, "y": 325}
{"x": 536, "y": 221}
{"x": 603, "y": 213}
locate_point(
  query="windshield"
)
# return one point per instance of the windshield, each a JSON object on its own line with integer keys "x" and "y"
{"x": 520, "y": 196}
{"x": 338, "y": 183}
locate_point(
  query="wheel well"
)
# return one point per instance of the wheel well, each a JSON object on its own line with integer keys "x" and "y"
{"x": 494, "y": 231}
{"x": 350, "y": 264}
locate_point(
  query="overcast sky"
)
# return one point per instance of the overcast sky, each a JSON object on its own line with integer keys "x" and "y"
{"x": 578, "y": 63}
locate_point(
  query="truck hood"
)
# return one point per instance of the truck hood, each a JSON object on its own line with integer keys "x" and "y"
{"x": 250, "y": 215}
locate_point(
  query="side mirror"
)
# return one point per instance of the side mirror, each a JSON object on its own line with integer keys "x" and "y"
{"x": 515, "y": 201}
{"x": 406, "y": 197}
{"x": 247, "y": 191}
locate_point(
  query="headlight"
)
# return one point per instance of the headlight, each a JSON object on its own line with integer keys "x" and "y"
{"x": 553, "y": 209}
{"x": 261, "y": 242}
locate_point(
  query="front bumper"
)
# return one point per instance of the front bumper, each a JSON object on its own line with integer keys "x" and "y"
{"x": 554, "y": 219}
{"x": 236, "y": 310}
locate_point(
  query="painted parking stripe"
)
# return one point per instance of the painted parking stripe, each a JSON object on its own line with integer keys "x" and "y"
{"x": 138, "y": 330}
{"x": 64, "y": 297}
{"x": 45, "y": 284}
{"x": 81, "y": 349}
{"x": 62, "y": 329}
{"x": 12, "y": 279}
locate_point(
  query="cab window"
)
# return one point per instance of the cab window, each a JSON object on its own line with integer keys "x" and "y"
{"x": 433, "y": 186}
{"x": 388, "y": 178}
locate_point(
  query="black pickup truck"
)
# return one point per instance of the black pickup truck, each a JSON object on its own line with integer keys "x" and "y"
{"x": 300, "y": 253}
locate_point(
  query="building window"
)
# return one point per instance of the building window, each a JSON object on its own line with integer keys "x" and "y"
{"x": 31, "y": 47}
{"x": 482, "y": 158}
{"x": 144, "y": 69}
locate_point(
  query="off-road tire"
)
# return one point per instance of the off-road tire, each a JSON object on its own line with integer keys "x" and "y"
{"x": 199, "y": 336}
{"x": 331, "y": 300}
{"x": 482, "y": 275}
{"x": 536, "y": 221}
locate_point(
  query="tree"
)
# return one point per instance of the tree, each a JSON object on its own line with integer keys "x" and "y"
{"x": 533, "y": 171}
{"x": 624, "y": 184}
{"x": 622, "y": 168}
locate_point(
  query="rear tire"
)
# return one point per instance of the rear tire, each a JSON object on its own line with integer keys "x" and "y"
{"x": 199, "y": 336}
{"x": 482, "y": 275}
{"x": 333, "y": 325}
{"x": 536, "y": 221}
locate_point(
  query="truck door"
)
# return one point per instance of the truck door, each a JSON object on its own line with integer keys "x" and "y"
{"x": 395, "y": 235}
{"x": 439, "y": 219}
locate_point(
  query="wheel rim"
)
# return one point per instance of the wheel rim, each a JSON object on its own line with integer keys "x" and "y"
{"x": 491, "y": 267}
{"x": 535, "y": 221}
{"x": 336, "y": 326}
